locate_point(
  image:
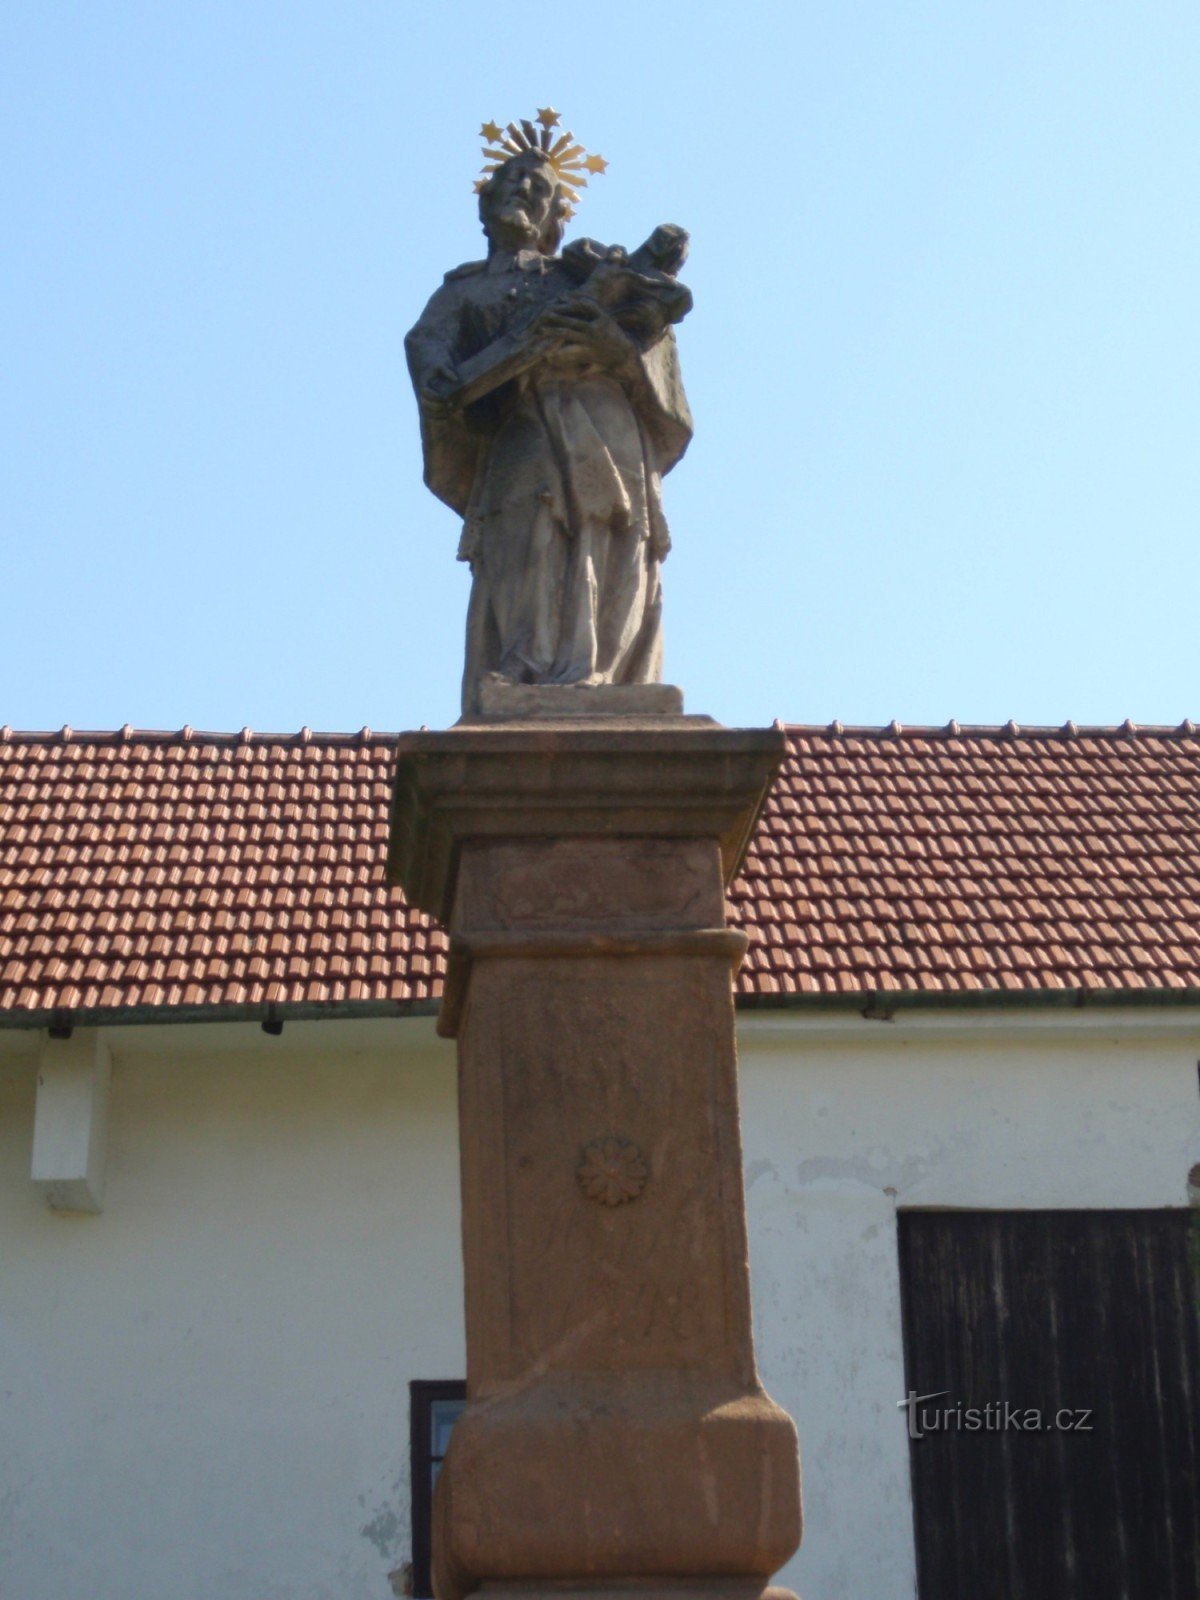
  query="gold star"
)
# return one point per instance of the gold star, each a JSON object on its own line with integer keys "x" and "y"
{"x": 548, "y": 117}
{"x": 595, "y": 164}
{"x": 490, "y": 132}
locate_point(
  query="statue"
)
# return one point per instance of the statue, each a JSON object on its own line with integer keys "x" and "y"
{"x": 551, "y": 406}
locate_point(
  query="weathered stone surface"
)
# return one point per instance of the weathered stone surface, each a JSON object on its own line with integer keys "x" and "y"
{"x": 589, "y": 884}
{"x": 560, "y": 1053}
{"x": 617, "y": 1479}
{"x": 500, "y": 699}
{"x": 616, "y": 1431}
{"x": 665, "y": 1589}
{"x": 599, "y": 778}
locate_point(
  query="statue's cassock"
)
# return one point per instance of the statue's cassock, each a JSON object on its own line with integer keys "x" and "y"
{"x": 557, "y": 475}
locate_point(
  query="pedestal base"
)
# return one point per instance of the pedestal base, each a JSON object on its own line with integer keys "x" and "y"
{"x": 641, "y": 1589}
{"x": 622, "y": 1474}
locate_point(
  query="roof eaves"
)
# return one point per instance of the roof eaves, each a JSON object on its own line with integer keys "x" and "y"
{"x": 879, "y": 1005}
{"x": 136, "y": 1016}
{"x": 883, "y": 1004}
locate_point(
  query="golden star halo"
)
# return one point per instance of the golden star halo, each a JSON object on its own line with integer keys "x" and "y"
{"x": 571, "y": 162}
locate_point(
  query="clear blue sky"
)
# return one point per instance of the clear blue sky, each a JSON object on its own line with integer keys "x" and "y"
{"x": 944, "y": 358}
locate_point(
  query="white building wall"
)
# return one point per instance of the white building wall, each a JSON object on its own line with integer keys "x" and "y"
{"x": 844, "y": 1122}
{"x": 204, "y": 1388}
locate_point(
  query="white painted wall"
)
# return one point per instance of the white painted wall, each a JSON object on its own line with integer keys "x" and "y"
{"x": 204, "y": 1388}
{"x": 844, "y": 1121}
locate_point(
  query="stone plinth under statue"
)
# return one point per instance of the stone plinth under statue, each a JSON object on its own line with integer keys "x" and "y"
{"x": 616, "y": 1435}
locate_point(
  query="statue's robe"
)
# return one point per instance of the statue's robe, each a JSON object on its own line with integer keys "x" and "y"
{"x": 557, "y": 476}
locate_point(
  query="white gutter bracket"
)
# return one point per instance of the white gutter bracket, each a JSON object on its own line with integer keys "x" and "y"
{"x": 70, "y": 1121}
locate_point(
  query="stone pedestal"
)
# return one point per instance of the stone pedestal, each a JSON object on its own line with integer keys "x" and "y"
{"x": 617, "y": 1438}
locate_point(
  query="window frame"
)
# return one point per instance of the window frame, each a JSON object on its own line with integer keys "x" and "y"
{"x": 423, "y": 1393}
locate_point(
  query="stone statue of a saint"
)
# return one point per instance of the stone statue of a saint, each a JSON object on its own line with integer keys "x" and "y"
{"x": 551, "y": 405}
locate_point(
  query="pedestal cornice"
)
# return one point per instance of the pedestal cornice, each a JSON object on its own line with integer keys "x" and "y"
{"x": 665, "y": 777}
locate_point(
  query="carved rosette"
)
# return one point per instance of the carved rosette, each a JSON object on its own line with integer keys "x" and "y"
{"x": 612, "y": 1171}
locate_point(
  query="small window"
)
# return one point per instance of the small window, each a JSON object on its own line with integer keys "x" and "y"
{"x": 434, "y": 1406}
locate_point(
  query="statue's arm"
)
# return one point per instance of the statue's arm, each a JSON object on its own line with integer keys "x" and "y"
{"x": 450, "y": 451}
{"x": 430, "y": 347}
{"x": 507, "y": 356}
{"x": 443, "y": 376}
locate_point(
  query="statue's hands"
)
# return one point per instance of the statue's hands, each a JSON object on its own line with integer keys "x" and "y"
{"x": 438, "y": 389}
{"x": 584, "y": 331}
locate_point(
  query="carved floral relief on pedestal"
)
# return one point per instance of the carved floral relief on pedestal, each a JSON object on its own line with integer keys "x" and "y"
{"x": 612, "y": 1171}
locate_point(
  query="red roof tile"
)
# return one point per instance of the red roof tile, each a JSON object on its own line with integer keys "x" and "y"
{"x": 191, "y": 873}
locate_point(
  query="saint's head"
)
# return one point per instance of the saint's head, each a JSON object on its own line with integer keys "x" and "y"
{"x": 522, "y": 206}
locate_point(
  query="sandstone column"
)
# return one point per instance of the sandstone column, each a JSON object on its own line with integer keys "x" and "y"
{"x": 616, "y": 1435}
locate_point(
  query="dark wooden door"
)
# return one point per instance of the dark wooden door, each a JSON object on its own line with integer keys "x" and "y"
{"x": 1057, "y": 1313}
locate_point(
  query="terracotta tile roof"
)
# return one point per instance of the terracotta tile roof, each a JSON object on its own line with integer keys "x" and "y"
{"x": 191, "y": 871}
{"x": 959, "y": 861}
{"x": 189, "y": 874}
